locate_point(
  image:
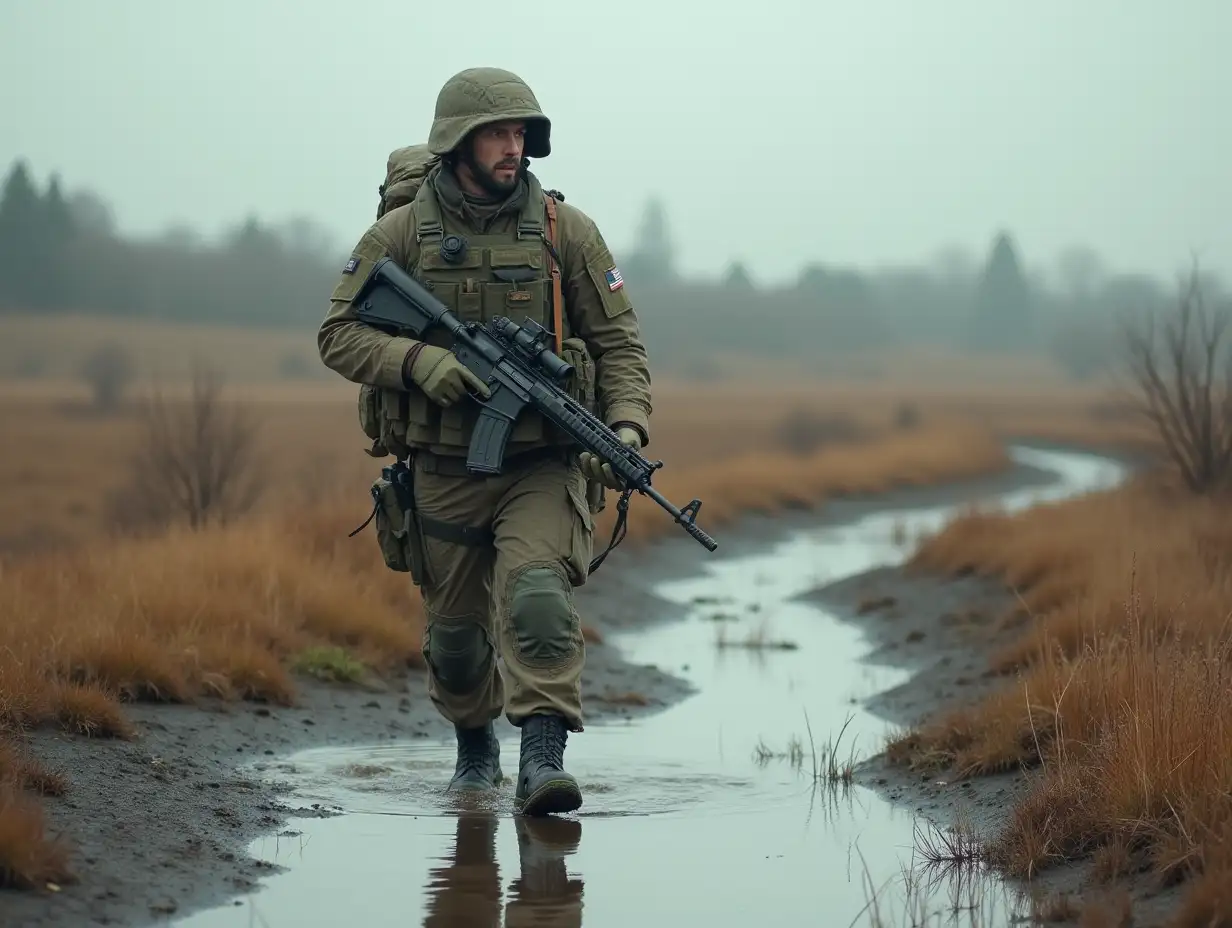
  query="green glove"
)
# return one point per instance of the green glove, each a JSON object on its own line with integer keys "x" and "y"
{"x": 595, "y": 469}
{"x": 443, "y": 377}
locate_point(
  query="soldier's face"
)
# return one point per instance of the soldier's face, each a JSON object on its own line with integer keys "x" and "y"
{"x": 495, "y": 156}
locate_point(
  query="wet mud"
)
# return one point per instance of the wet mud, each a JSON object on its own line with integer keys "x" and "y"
{"x": 162, "y": 826}
{"x": 725, "y": 710}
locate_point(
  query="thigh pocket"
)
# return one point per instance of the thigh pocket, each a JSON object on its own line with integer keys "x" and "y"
{"x": 582, "y": 531}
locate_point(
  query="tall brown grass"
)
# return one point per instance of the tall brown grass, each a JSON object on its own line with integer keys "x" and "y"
{"x": 65, "y": 467}
{"x": 1122, "y": 686}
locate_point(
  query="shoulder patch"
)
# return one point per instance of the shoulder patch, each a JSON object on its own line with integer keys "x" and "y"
{"x": 609, "y": 284}
{"x": 613, "y": 278}
{"x": 351, "y": 266}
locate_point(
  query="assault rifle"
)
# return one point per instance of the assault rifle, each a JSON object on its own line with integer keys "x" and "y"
{"x": 521, "y": 371}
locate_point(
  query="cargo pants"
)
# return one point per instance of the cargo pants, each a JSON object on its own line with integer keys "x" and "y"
{"x": 501, "y": 556}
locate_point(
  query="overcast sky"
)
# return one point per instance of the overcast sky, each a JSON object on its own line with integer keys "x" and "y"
{"x": 869, "y": 132}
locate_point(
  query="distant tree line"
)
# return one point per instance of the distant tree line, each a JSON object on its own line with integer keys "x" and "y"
{"x": 62, "y": 252}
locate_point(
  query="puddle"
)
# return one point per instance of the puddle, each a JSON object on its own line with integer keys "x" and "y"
{"x": 707, "y": 813}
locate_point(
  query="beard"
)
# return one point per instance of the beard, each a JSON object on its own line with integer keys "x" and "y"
{"x": 487, "y": 179}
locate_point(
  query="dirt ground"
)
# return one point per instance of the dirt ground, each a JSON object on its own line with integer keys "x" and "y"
{"x": 160, "y": 826}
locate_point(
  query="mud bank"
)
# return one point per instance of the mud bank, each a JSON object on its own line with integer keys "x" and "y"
{"x": 944, "y": 631}
{"x": 161, "y": 825}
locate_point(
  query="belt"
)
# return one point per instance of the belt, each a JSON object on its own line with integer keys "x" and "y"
{"x": 454, "y": 465}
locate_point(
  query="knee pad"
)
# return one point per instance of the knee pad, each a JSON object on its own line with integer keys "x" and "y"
{"x": 541, "y": 613}
{"x": 460, "y": 655}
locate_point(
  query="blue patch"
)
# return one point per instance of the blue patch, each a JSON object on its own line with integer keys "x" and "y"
{"x": 351, "y": 266}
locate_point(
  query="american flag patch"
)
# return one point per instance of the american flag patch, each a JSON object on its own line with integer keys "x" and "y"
{"x": 614, "y": 280}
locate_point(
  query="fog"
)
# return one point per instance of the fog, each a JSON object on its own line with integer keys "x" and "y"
{"x": 893, "y": 149}
{"x": 872, "y": 133}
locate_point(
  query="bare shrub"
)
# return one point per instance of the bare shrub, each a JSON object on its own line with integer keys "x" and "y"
{"x": 196, "y": 463}
{"x": 803, "y": 431}
{"x": 1182, "y": 374}
{"x": 109, "y": 370}
{"x": 297, "y": 365}
{"x": 906, "y": 415}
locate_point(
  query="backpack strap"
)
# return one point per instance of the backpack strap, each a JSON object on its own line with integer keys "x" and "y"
{"x": 531, "y": 215}
{"x": 558, "y": 301}
{"x": 428, "y": 222}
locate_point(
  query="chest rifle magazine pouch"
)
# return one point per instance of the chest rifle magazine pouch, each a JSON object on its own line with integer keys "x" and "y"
{"x": 398, "y": 531}
{"x": 581, "y": 383}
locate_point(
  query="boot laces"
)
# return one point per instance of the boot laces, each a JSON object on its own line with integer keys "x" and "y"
{"x": 547, "y": 741}
{"x": 474, "y": 749}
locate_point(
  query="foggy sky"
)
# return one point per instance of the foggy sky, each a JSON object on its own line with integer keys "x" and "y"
{"x": 870, "y": 133}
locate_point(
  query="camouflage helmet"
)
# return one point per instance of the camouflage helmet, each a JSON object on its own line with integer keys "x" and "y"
{"x": 478, "y": 96}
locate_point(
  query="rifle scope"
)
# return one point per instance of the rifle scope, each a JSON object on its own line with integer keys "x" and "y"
{"x": 531, "y": 340}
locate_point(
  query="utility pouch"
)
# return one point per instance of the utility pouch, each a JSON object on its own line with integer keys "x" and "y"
{"x": 581, "y": 384}
{"x": 398, "y": 531}
{"x": 371, "y": 418}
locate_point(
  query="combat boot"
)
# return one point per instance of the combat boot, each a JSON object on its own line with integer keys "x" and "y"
{"x": 544, "y": 786}
{"x": 478, "y": 766}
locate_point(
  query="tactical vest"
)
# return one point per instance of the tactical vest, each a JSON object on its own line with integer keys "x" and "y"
{"x": 506, "y": 273}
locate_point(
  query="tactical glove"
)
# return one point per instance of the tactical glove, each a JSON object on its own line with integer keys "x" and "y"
{"x": 443, "y": 377}
{"x": 594, "y": 468}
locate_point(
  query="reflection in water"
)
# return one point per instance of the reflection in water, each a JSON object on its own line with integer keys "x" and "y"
{"x": 465, "y": 891}
{"x": 544, "y": 893}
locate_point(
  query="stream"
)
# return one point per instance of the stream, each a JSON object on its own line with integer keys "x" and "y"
{"x": 708, "y": 812}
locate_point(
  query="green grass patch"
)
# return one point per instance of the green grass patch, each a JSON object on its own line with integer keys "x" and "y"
{"x": 329, "y": 663}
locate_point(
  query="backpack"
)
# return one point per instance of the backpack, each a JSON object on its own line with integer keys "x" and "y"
{"x": 404, "y": 175}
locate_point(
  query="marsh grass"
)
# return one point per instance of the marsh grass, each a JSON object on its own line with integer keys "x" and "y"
{"x": 760, "y": 638}
{"x": 823, "y": 763}
{"x": 948, "y": 880}
{"x": 1120, "y": 698}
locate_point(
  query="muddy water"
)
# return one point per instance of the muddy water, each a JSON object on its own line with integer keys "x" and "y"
{"x": 716, "y": 811}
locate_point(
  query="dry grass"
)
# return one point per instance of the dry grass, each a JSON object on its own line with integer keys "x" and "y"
{"x": 65, "y": 466}
{"x": 1124, "y": 687}
{"x": 92, "y": 620}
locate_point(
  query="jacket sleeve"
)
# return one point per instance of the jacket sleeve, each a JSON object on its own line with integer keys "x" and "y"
{"x": 349, "y": 347}
{"x": 602, "y": 315}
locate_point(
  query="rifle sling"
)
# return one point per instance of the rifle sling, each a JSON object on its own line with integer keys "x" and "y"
{"x": 557, "y": 296}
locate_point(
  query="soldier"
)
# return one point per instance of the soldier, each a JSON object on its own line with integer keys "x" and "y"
{"x": 500, "y": 555}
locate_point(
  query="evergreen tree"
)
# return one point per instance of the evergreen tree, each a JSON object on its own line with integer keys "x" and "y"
{"x": 60, "y": 283}
{"x": 652, "y": 259}
{"x": 737, "y": 277}
{"x": 22, "y": 225}
{"x": 1002, "y": 300}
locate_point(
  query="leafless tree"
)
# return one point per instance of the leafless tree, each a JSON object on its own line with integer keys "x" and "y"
{"x": 108, "y": 369}
{"x": 1182, "y": 375}
{"x": 196, "y": 462}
